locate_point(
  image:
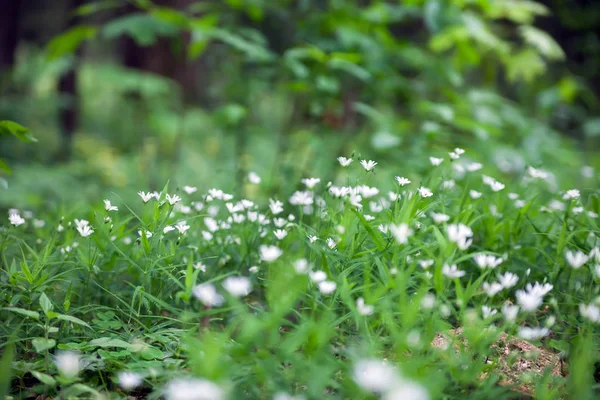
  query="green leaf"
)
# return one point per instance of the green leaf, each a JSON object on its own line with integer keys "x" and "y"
{"x": 22, "y": 311}
{"x": 543, "y": 42}
{"x": 45, "y": 303}
{"x": 69, "y": 41}
{"x": 4, "y": 167}
{"x": 151, "y": 353}
{"x": 145, "y": 29}
{"x": 72, "y": 319}
{"x": 6, "y": 369}
{"x": 41, "y": 344}
{"x": 8, "y": 128}
{"x": 44, "y": 378}
{"x": 111, "y": 342}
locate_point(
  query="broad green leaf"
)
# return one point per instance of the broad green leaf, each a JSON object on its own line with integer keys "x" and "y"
{"x": 41, "y": 344}
{"x": 145, "y": 29}
{"x": 45, "y": 303}
{"x": 20, "y": 132}
{"x": 69, "y": 41}
{"x": 111, "y": 342}
{"x": 72, "y": 319}
{"x": 4, "y": 167}
{"x": 22, "y": 311}
{"x": 44, "y": 378}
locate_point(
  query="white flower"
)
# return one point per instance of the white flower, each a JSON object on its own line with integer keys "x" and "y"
{"x": 375, "y": 375}
{"x": 451, "y": 271}
{"x": 312, "y": 238}
{"x": 200, "y": 266}
{"x": 83, "y": 228}
{"x": 173, "y": 199}
{"x": 510, "y": 311}
{"x": 400, "y": 232}
{"x": 424, "y": 192}
{"x": 571, "y": 194}
{"x": 68, "y": 363}
{"x": 310, "y": 183}
{"x": 527, "y": 333}
{"x": 590, "y": 311}
{"x": 269, "y": 253}
{"x": 39, "y": 223}
{"x": 168, "y": 229}
{"x": 207, "y": 294}
{"x": 428, "y": 301}
{"x": 301, "y": 198}
{"x": 576, "y": 259}
{"x": 190, "y": 189}
{"x": 275, "y": 206}
{"x": 362, "y": 308}
{"x": 402, "y": 181}
{"x": 487, "y": 261}
{"x": 301, "y": 266}
{"x": 472, "y": 167}
{"x": 406, "y": 390}
{"x": 497, "y": 186}
{"x": 280, "y": 233}
{"x": 110, "y": 207}
{"x": 317, "y": 276}
{"x": 539, "y": 290}
{"x": 344, "y": 162}
{"x": 146, "y": 196}
{"x": 237, "y": 286}
{"x": 193, "y": 389}
{"x": 492, "y": 289}
{"x": 182, "y": 227}
{"x": 331, "y": 243}
{"x": 449, "y": 184}
{"x": 460, "y": 234}
{"x": 425, "y": 263}
{"x": 253, "y": 269}
{"x": 435, "y": 161}
{"x": 327, "y": 287}
{"x": 253, "y": 178}
{"x": 368, "y": 165}
{"x": 439, "y": 218}
{"x": 488, "y": 312}
{"x": 129, "y": 380}
{"x": 529, "y": 301}
{"x": 16, "y": 219}
{"x": 508, "y": 280}
{"x": 475, "y": 194}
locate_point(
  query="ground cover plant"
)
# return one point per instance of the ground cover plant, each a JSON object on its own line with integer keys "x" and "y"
{"x": 450, "y": 284}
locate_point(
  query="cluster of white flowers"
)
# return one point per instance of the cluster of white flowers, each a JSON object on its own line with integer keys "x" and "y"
{"x": 379, "y": 377}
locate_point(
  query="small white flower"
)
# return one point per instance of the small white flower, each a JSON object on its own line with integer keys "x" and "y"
{"x": 428, "y": 301}
{"x": 16, "y": 219}
{"x": 590, "y": 311}
{"x": 440, "y": 218}
{"x": 571, "y": 194}
{"x": 510, "y": 311}
{"x": 275, "y": 206}
{"x": 200, "y": 266}
{"x": 406, "y": 390}
{"x": 173, "y": 199}
{"x": 401, "y": 232}
{"x": 460, "y": 234}
{"x": 310, "y": 183}
{"x": 110, "y": 207}
{"x": 472, "y": 167}
{"x": 488, "y": 312}
{"x": 253, "y": 269}
{"x": 146, "y": 196}
{"x": 529, "y": 301}
{"x": 374, "y": 375}
{"x": 368, "y": 165}
{"x": 425, "y": 263}
{"x": 344, "y": 162}
{"x": 317, "y": 276}
{"x": 331, "y": 243}
{"x": 237, "y": 286}
{"x": 312, "y": 238}
{"x": 435, "y": 161}
{"x": 301, "y": 198}
{"x": 327, "y": 287}
{"x": 402, "y": 181}
{"x": 168, "y": 229}
{"x": 280, "y": 234}
{"x": 269, "y": 253}
{"x": 301, "y": 266}
{"x": 487, "y": 261}
{"x": 39, "y": 223}
{"x": 129, "y": 380}
{"x": 84, "y": 229}
{"x": 182, "y": 227}
{"x": 475, "y": 194}
{"x": 190, "y": 189}
{"x": 451, "y": 271}
{"x": 68, "y": 363}
{"x": 424, "y": 192}
{"x": 207, "y": 294}
{"x": 527, "y": 333}
{"x": 193, "y": 389}
{"x": 492, "y": 288}
{"x": 496, "y": 186}
{"x": 362, "y": 308}
{"x": 576, "y": 259}
{"x": 508, "y": 280}
{"x": 253, "y": 178}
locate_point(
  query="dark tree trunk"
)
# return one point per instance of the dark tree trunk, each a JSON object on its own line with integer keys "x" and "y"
{"x": 68, "y": 90}
{"x": 9, "y": 27}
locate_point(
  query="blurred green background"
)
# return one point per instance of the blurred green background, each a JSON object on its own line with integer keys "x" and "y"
{"x": 124, "y": 95}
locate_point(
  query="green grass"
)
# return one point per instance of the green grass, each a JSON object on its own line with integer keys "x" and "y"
{"x": 78, "y": 312}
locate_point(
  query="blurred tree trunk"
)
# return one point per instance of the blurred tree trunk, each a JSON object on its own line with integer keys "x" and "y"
{"x": 68, "y": 90}
{"x": 9, "y": 29}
